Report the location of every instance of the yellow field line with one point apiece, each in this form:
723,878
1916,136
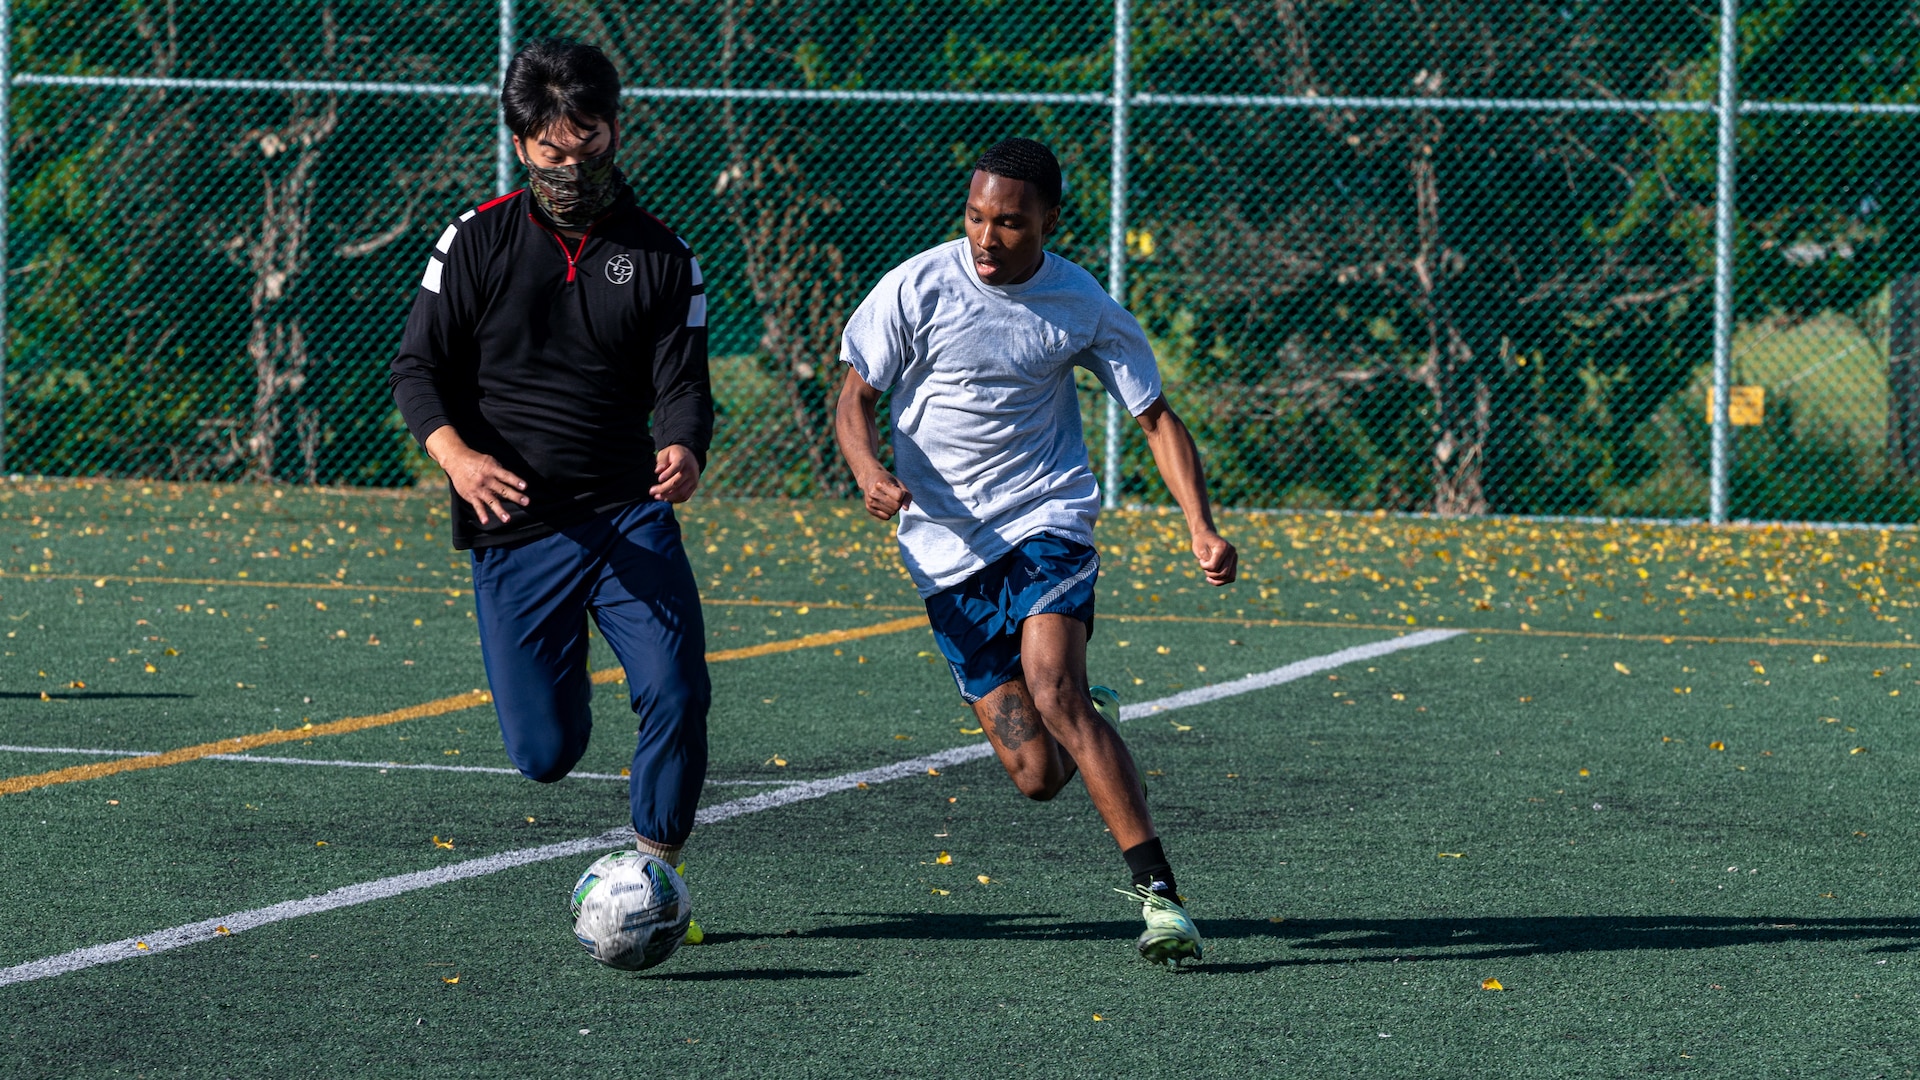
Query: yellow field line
329,586
1590,635
342,586
455,703
810,641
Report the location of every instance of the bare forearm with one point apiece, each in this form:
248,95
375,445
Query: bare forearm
1179,463
858,433
1178,460
859,437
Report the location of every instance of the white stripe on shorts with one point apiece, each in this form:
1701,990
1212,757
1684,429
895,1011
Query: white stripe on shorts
1060,590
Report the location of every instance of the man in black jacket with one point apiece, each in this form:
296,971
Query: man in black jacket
555,365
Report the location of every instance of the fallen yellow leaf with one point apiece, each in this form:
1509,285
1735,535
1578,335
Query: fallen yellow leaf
1180,727
1453,854
941,892
983,879
1819,658
1858,750
141,945
447,843
1716,745
1162,650
1585,772
1097,1016
1491,984
862,785
944,859
971,730
221,930
319,843
1621,668
150,668
452,980
931,771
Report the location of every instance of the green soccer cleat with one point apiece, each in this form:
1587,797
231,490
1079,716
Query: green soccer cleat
1106,702
694,934
1170,936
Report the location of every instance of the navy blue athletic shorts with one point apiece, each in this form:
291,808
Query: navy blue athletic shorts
977,622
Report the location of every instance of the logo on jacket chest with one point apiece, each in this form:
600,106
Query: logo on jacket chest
620,269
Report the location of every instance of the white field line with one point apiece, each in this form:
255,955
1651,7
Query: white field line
383,766
384,888
75,750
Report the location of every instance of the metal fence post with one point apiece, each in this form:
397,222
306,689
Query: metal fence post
503,139
1727,155
6,189
1117,225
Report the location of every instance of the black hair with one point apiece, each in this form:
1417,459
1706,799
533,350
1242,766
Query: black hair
1024,159
554,79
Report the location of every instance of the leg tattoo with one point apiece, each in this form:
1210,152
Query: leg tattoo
1013,723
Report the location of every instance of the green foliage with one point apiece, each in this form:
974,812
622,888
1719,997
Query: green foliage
1359,308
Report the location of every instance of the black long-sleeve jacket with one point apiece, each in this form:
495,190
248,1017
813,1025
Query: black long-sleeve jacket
567,360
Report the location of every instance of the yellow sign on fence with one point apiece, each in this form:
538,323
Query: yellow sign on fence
1746,405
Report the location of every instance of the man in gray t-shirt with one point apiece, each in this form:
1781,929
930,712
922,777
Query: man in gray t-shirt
978,340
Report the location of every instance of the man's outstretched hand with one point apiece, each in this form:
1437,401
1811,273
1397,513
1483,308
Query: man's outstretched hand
679,473
479,479
887,496
1217,558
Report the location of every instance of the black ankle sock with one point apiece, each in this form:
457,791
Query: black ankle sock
1148,864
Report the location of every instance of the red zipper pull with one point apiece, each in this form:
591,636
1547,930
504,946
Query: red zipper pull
582,250
573,257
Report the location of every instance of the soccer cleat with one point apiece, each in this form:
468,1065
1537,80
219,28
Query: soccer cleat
1170,936
694,934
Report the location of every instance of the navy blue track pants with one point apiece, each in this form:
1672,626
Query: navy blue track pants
628,569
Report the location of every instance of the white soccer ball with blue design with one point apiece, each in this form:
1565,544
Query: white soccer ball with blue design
630,910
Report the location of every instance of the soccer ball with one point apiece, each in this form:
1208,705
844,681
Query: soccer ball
630,910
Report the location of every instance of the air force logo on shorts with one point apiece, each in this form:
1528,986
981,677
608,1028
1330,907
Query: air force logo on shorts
620,269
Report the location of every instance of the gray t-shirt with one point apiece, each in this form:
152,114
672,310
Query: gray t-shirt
986,422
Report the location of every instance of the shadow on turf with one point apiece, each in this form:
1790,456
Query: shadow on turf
1347,941
35,695
762,974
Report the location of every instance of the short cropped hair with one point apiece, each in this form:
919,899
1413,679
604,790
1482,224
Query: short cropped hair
1024,159
554,79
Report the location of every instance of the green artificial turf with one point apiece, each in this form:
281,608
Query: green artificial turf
1676,856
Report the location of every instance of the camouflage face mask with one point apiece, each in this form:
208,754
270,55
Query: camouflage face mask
573,195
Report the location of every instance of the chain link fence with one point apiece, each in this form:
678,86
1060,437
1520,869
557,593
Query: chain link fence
1446,256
